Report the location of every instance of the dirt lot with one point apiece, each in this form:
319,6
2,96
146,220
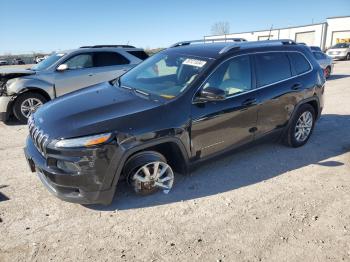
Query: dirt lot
267,203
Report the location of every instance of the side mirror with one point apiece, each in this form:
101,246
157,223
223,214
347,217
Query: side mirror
211,94
62,67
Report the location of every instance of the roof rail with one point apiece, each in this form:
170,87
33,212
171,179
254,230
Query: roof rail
102,46
257,44
212,40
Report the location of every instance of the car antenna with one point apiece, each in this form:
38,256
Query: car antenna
270,32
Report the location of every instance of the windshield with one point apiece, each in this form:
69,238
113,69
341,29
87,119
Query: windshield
47,62
341,45
164,74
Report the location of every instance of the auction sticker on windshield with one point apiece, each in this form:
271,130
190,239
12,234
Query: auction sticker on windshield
194,62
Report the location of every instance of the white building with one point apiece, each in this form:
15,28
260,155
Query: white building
324,35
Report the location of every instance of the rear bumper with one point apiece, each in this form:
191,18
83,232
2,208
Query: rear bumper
93,185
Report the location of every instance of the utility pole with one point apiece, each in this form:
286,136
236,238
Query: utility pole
270,32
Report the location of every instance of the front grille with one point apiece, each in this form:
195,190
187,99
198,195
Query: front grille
40,139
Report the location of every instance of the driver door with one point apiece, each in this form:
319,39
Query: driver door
229,123
79,74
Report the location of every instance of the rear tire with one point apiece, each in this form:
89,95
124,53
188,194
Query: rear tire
301,126
148,172
26,104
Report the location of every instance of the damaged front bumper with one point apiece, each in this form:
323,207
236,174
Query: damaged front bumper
4,105
93,184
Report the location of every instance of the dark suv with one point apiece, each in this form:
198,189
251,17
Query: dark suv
182,105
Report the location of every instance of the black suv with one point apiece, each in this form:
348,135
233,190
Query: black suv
182,105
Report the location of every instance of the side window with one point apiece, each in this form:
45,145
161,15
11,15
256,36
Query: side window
299,62
323,56
318,55
139,54
233,76
109,59
80,61
271,68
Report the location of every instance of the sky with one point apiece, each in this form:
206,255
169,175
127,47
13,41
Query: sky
47,25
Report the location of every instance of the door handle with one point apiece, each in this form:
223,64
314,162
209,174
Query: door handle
90,74
296,86
250,101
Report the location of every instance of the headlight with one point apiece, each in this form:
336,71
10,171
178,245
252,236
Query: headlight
83,141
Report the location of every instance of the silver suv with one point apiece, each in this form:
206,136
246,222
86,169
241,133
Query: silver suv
22,91
340,51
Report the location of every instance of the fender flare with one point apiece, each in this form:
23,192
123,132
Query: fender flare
145,146
33,89
297,106
304,101
25,85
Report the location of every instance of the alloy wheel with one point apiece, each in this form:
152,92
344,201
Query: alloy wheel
30,105
304,126
153,176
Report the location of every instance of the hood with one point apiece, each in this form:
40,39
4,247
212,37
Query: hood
9,73
96,109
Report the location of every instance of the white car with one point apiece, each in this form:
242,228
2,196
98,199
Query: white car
340,51
3,62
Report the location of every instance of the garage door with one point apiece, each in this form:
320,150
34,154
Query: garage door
340,37
305,37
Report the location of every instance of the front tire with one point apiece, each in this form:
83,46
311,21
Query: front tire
301,126
148,172
26,104
347,56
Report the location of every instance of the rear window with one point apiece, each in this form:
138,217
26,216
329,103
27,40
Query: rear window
319,55
139,54
109,59
299,63
271,68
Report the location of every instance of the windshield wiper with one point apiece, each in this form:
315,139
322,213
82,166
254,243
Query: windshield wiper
126,87
133,89
141,92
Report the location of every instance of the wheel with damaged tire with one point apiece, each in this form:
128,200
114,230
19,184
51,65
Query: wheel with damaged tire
26,104
148,172
301,126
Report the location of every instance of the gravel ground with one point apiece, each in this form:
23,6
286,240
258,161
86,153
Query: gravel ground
266,203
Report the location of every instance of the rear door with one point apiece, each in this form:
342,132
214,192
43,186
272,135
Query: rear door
109,65
279,87
142,55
